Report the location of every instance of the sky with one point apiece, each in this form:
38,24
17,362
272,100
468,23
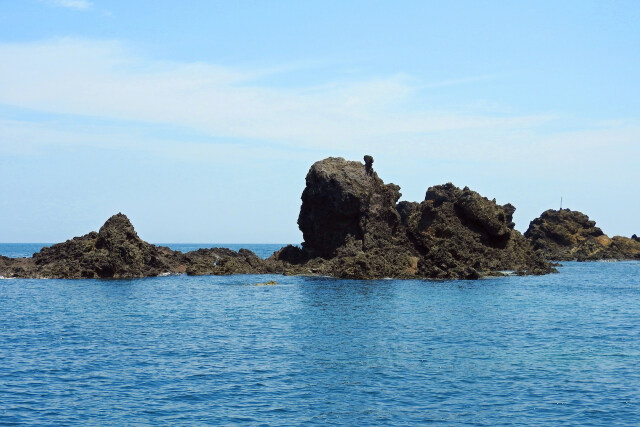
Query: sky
199,120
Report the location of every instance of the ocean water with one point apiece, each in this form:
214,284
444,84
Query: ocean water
562,349
265,250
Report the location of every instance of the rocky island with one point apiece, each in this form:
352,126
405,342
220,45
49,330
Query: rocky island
566,235
116,251
353,226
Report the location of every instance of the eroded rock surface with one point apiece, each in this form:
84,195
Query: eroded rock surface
354,227
116,251
566,235
223,261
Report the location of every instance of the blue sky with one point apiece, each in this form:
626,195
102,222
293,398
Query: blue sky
200,119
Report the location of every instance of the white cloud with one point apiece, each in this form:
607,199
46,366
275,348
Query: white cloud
102,79
103,97
72,4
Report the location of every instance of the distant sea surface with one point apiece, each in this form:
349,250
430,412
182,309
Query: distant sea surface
562,349
263,250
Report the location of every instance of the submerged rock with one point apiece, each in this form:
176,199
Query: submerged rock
354,227
566,235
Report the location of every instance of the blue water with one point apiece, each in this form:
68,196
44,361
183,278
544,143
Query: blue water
562,349
265,250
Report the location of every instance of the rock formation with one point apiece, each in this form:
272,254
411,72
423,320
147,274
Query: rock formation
354,227
222,262
566,235
116,251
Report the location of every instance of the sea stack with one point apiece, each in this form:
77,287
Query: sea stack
354,227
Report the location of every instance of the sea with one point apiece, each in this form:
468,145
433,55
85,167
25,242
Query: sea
561,349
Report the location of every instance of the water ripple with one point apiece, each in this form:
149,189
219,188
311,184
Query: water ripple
561,349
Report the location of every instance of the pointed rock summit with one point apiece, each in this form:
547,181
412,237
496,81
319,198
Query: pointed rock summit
115,251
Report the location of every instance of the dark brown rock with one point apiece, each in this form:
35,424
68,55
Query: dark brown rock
116,251
566,235
343,199
222,262
353,227
459,233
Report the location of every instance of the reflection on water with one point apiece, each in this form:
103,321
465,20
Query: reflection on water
557,349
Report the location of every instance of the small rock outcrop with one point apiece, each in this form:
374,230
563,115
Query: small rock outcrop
354,227
566,235
223,261
116,251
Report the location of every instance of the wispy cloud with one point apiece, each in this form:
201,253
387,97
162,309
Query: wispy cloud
102,79
72,4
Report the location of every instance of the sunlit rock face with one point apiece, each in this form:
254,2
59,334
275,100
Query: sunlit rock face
565,235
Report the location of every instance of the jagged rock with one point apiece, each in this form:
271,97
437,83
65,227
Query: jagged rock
341,199
222,261
116,251
459,232
16,267
566,235
353,227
